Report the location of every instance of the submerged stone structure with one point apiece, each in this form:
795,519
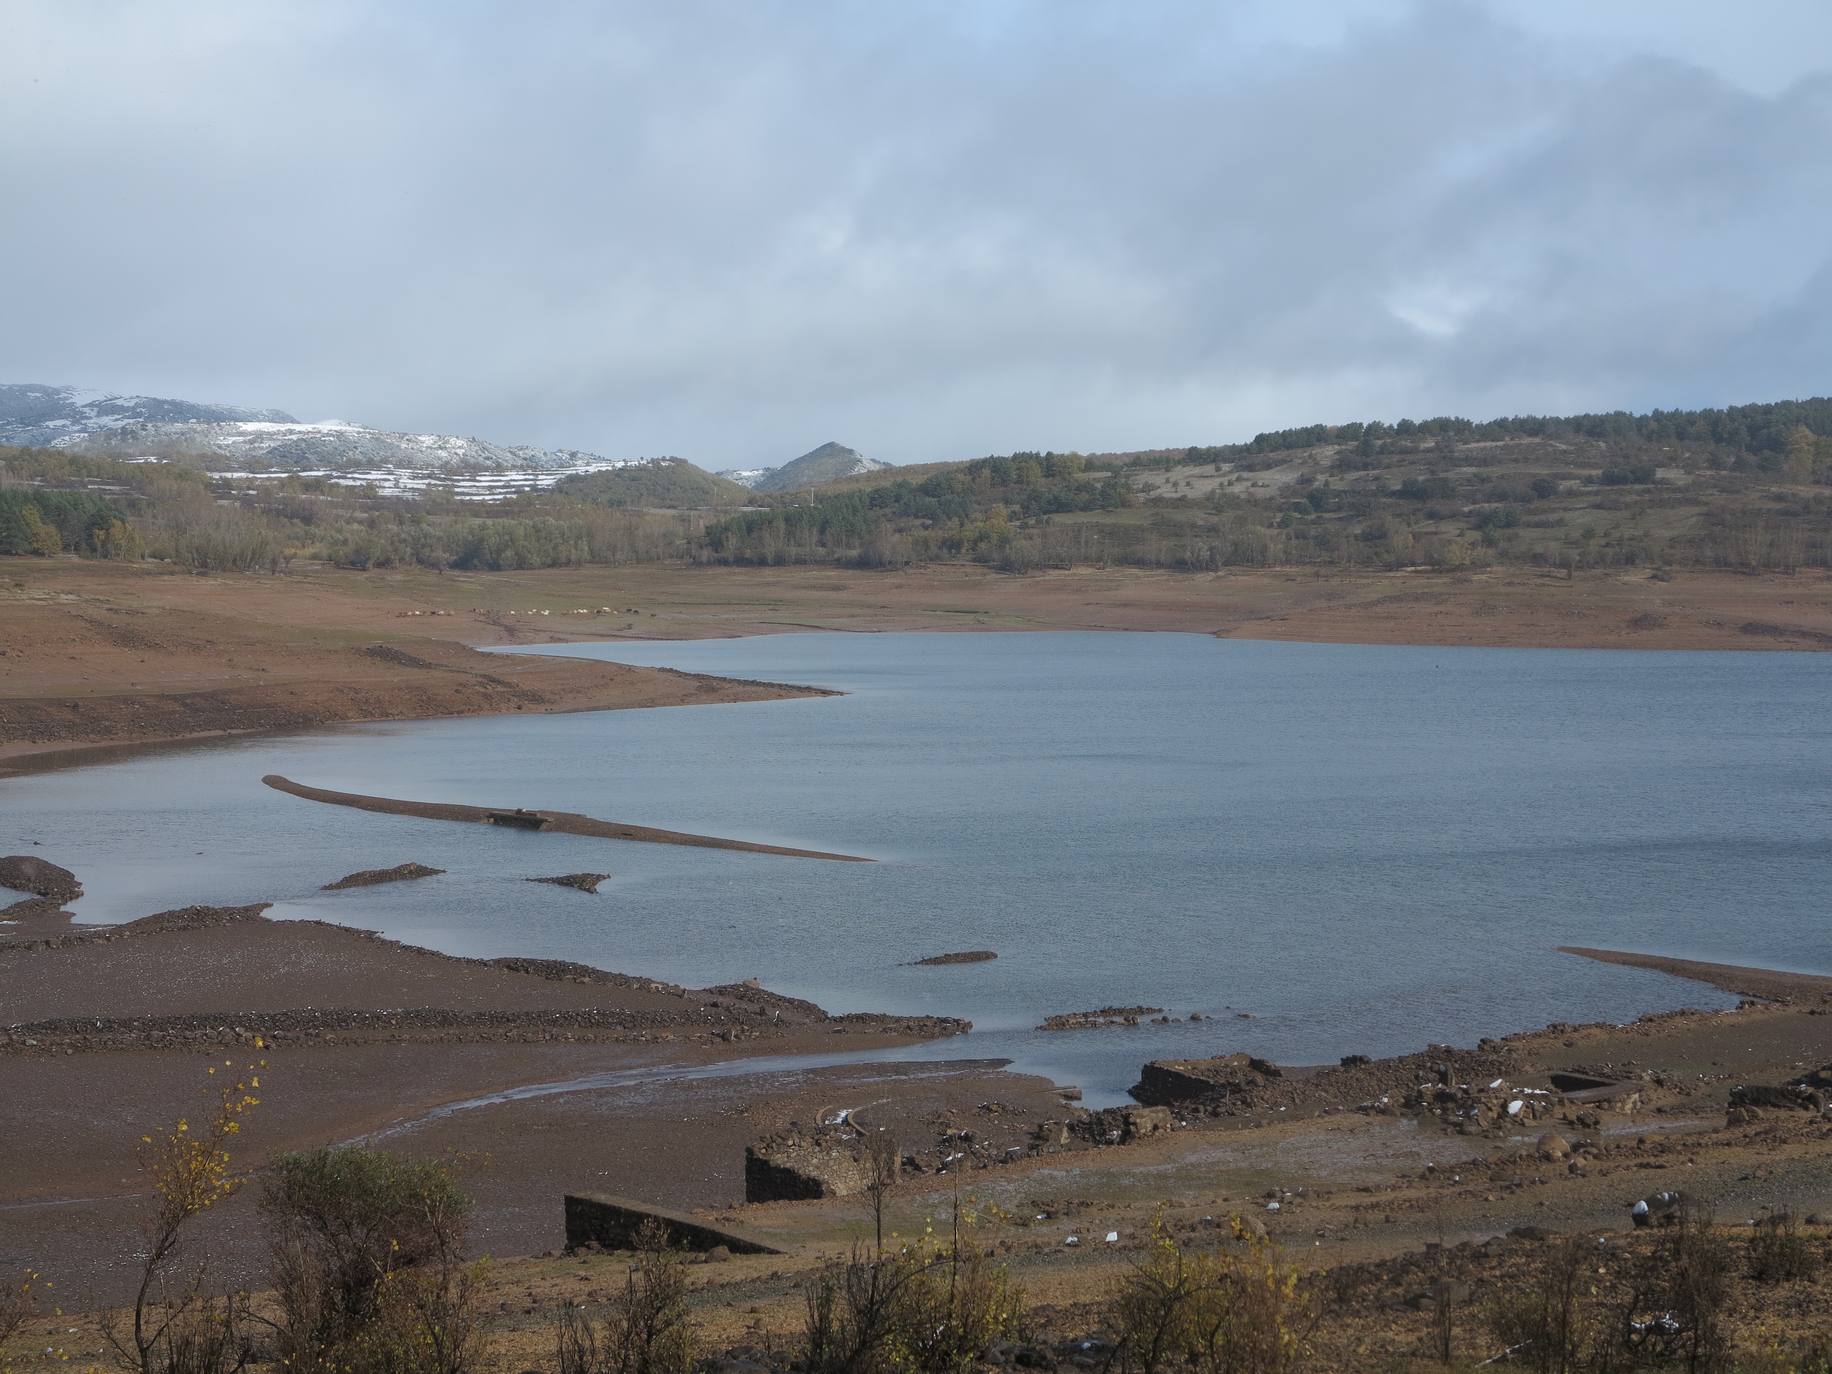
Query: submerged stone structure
612,1223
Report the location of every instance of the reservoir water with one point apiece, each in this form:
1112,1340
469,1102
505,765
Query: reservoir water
1365,849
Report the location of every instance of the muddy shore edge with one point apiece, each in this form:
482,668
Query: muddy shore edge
106,660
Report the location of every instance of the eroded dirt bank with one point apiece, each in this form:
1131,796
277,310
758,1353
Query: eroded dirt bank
108,1033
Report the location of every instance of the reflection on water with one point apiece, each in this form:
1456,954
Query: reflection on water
1362,848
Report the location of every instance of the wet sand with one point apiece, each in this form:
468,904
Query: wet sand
1771,984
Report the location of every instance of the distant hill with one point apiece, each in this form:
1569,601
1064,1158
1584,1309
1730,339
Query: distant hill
672,483
67,417
828,463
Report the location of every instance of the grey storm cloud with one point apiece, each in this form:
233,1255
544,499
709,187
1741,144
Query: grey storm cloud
731,230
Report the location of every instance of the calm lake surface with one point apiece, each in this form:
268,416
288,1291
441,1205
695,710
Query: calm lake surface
1365,848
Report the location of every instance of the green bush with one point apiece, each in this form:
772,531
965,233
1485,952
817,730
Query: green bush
367,1263
1232,1310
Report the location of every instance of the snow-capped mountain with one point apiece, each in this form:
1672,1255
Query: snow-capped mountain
97,422
332,444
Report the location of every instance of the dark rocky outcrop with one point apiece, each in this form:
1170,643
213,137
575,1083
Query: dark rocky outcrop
49,885
612,1223
966,956
369,877
585,882
1100,1016
1122,1125
1787,1097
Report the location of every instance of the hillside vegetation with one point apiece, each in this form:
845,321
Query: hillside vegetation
1745,488
667,483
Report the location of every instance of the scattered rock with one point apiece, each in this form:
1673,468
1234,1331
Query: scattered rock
369,877
1100,1016
1660,1210
1146,1121
1787,1097
1122,1125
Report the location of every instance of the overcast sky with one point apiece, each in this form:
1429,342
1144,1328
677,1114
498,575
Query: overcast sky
734,230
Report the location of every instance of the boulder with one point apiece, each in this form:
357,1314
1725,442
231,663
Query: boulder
1552,1145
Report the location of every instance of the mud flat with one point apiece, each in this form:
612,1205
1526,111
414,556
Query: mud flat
1770,984
108,1034
559,822
1376,1177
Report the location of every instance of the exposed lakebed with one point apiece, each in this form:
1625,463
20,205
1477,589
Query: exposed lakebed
1364,848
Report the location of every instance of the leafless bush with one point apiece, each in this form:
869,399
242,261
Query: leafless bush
648,1329
931,1306
17,1307
1778,1252
367,1264
1549,1326
1232,1310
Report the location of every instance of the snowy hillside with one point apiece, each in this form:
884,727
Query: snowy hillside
59,416
745,477
98,422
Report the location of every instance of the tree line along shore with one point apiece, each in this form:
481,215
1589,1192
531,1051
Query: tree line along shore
1746,487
